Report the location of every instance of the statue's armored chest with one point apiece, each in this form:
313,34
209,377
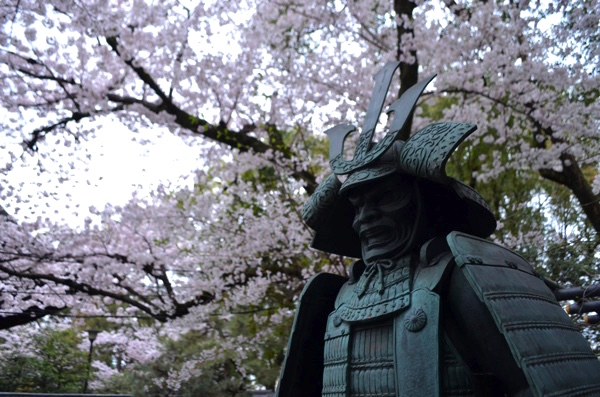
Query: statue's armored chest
360,361
359,339
381,291
382,336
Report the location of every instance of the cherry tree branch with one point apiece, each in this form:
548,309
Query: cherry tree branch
220,132
134,298
40,133
367,35
50,77
74,285
33,313
502,102
571,174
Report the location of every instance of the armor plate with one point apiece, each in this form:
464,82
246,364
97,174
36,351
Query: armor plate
554,357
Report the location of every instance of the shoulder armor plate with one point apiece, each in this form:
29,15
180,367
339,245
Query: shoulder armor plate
549,348
469,249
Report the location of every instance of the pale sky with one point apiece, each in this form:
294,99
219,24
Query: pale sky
118,166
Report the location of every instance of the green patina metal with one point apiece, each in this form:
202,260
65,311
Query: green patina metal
553,356
431,309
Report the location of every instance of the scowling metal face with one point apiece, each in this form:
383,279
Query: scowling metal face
384,219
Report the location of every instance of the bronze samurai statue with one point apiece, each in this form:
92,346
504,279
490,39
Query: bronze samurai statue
432,308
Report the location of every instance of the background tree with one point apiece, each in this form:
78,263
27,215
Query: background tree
51,362
253,84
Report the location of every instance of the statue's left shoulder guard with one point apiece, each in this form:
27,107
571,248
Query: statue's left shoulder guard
549,348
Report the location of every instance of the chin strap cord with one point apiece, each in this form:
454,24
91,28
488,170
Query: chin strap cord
378,269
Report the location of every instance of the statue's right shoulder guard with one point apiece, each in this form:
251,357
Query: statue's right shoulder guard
555,358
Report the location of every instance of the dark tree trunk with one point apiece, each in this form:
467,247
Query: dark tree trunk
409,72
573,178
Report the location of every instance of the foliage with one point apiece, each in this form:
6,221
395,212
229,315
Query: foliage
53,363
252,85
202,367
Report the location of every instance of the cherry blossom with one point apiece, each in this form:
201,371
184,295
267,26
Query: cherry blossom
253,85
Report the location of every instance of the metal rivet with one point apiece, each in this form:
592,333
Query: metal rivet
337,321
512,265
475,259
415,321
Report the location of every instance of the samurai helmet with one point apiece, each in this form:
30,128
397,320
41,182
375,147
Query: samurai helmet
423,156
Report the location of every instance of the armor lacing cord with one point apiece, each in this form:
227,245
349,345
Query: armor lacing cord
377,268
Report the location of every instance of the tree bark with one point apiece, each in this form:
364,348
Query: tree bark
573,178
27,316
220,132
409,72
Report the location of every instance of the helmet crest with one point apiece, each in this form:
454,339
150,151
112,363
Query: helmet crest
401,108
424,156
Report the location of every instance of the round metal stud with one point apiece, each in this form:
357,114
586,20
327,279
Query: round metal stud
415,321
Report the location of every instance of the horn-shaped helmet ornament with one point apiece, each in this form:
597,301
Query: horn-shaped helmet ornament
424,156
